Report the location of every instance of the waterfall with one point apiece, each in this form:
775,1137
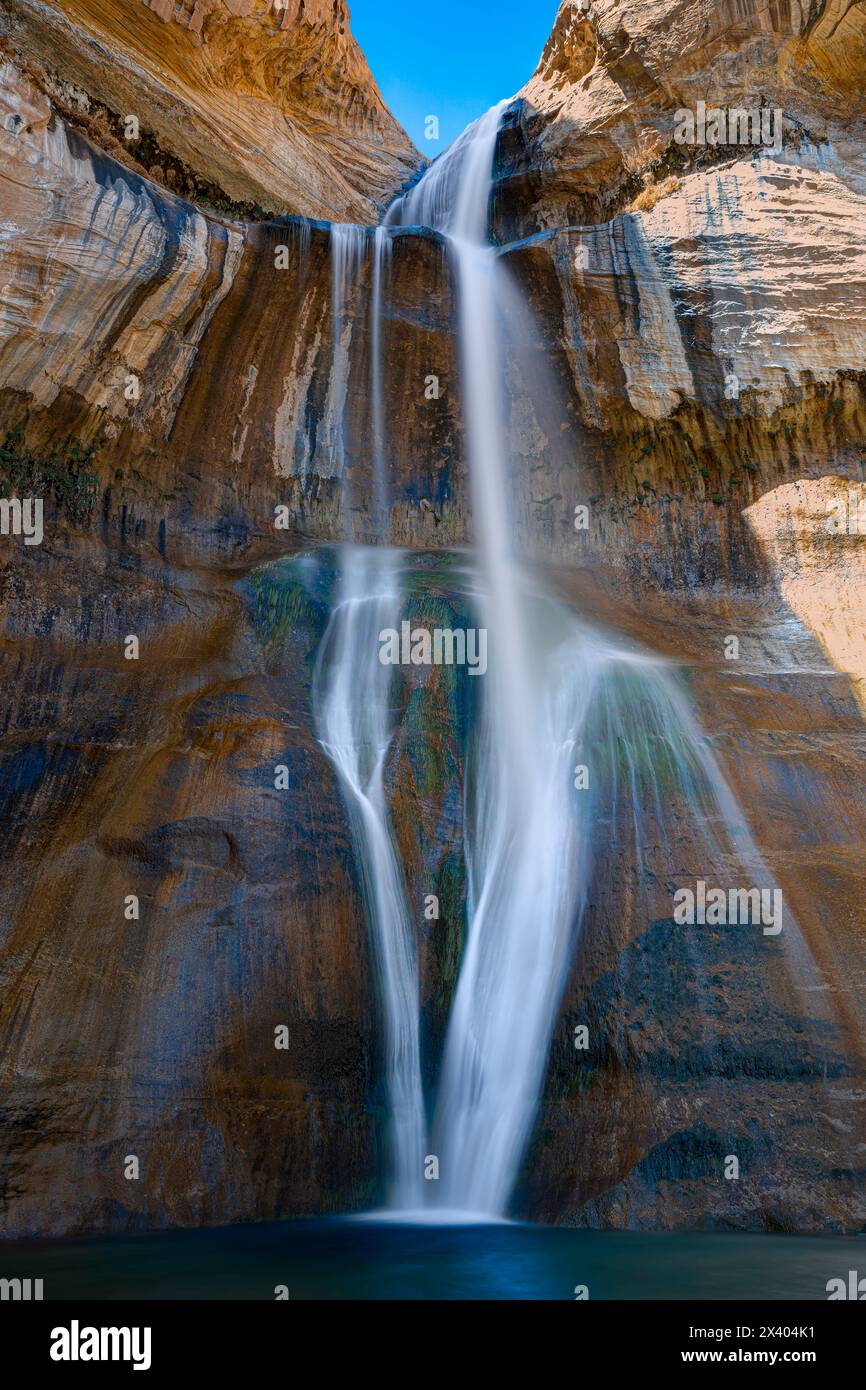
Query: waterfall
381,266
527,841
560,696
347,257
351,699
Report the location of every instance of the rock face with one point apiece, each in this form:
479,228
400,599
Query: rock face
273,107
171,910
681,1070
687,366
692,373
814,532
200,352
598,118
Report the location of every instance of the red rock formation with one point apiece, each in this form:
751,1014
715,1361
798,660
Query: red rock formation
597,123
273,105
713,268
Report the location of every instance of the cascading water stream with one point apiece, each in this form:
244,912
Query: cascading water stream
525,846
453,198
351,696
381,263
558,693
347,255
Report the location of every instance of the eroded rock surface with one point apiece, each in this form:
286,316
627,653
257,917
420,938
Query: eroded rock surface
814,532
274,106
149,1028
597,123
687,365
692,373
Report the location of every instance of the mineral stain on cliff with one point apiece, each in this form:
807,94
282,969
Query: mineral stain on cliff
654,280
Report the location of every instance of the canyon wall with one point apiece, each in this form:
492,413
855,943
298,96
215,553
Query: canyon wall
698,352
178,360
596,122
253,106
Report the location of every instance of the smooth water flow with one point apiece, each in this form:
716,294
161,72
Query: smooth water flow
381,268
560,697
526,836
351,698
453,198
347,257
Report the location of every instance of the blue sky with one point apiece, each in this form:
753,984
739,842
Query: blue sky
449,59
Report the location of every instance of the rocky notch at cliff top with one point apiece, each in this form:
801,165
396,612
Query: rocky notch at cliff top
276,109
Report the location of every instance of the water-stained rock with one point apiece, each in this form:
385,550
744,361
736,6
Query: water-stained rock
271,106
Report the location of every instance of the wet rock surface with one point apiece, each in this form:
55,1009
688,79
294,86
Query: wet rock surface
155,1036
692,374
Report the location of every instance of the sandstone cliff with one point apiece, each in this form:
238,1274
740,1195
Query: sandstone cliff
693,374
597,122
198,352
695,364
270,107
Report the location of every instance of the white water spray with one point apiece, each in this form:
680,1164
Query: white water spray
351,697
526,838
556,689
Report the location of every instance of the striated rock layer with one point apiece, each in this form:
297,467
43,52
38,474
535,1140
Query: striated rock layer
681,365
596,124
228,331
692,373
270,106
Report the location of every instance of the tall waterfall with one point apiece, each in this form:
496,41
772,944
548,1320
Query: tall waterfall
351,697
351,691
559,695
526,840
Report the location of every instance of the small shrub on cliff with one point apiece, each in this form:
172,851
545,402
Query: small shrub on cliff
648,197
65,475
